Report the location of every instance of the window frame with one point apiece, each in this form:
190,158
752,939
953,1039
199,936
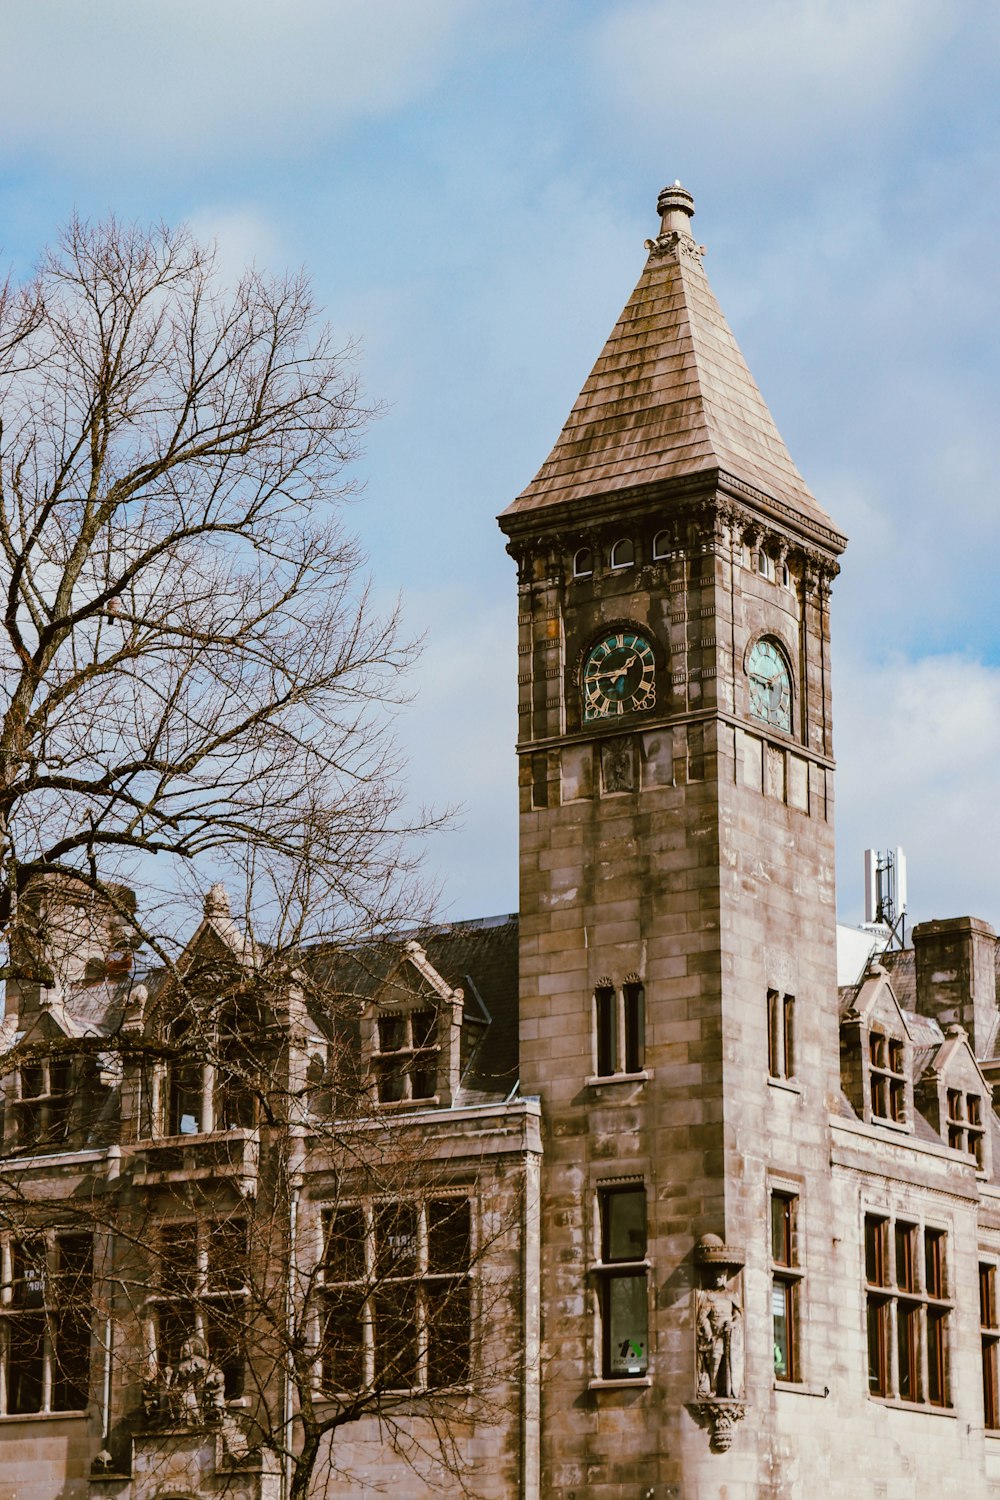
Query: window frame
989,1332
611,1269
194,1303
416,1285
965,1127
613,563
787,1278
908,1304
47,1307
619,1019
887,1077
581,568
41,1119
781,1038
407,1067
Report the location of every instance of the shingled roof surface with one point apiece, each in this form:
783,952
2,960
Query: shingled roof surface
670,397
479,957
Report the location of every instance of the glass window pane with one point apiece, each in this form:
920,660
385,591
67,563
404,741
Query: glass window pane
396,1239
345,1244
225,1332
605,1001
448,1231
634,997
624,1226
178,1258
626,1332
227,1255
70,1360
878,1363
875,1267
26,1335
391,1033
934,1262
781,1309
448,1333
343,1340
935,1358
906,1340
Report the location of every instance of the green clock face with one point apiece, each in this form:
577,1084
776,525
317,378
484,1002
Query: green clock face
619,676
770,685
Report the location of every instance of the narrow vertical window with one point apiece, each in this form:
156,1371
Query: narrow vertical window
780,1035
606,1018
634,1003
623,1275
788,1048
990,1338
907,1313
786,1285
877,1275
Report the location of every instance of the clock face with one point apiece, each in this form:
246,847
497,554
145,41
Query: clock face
770,685
618,676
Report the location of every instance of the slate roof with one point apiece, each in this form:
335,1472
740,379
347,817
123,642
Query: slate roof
479,957
670,397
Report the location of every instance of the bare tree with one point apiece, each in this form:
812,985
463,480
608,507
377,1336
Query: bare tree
191,666
194,680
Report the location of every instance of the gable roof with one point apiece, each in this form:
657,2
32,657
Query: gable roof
671,397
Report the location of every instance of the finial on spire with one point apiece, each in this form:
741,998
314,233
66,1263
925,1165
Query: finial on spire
675,206
217,901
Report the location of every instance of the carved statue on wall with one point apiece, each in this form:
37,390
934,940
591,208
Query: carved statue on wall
720,1342
191,1393
718,1325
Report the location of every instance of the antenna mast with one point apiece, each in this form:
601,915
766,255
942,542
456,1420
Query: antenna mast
885,893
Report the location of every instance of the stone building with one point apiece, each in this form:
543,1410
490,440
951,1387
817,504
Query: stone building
672,1215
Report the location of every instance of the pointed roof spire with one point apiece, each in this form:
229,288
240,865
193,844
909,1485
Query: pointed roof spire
671,399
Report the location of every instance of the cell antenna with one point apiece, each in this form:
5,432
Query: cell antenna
885,892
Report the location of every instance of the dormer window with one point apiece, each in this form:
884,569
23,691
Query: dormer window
661,545
965,1128
887,1077
623,553
41,1108
583,563
405,1056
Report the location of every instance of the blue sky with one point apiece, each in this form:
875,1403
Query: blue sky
469,182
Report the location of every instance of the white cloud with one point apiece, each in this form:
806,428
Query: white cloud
773,74
242,236
196,80
918,747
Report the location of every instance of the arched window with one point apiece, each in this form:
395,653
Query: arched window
583,563
786,577
661,544
623,553
765,565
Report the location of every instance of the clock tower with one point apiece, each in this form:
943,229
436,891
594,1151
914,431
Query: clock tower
678,992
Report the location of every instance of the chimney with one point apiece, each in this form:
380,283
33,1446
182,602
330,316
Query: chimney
956,976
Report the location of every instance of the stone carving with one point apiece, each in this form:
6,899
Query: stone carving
191,1393
719,1339
617,767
